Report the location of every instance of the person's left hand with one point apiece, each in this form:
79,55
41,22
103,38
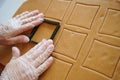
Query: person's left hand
9,30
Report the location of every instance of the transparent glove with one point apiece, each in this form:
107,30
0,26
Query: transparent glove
9,30
30,65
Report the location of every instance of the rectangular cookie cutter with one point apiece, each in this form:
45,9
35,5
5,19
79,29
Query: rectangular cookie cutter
49,22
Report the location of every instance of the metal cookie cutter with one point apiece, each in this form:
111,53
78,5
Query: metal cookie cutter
49,22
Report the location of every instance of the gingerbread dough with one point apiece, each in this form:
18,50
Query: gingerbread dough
87,46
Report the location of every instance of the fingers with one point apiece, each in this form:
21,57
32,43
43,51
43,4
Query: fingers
31,24
39,49
17,39
27,14
35,47
15,53
32,18
24,13
43,67
29,20
39,60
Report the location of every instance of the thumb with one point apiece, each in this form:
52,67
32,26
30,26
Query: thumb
17,39
15,53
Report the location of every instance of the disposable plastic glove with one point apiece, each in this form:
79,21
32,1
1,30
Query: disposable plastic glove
9,30
30,65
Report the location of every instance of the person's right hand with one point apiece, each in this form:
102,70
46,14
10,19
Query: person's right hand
30,65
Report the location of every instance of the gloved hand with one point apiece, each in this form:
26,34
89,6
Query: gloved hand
9,30
30,65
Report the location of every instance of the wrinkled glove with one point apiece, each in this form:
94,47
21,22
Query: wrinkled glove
30,65
9,30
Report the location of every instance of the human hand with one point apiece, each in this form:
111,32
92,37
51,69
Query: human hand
30,65
9,30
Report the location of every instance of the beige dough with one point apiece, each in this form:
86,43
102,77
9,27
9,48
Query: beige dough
87,46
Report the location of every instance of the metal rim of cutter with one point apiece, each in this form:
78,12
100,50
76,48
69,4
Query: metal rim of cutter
49,22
